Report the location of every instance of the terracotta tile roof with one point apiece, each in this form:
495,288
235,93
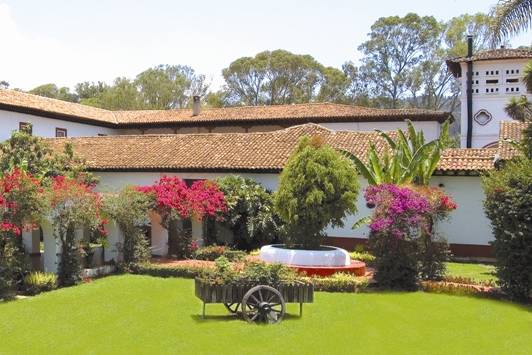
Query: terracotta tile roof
472,159
20,101
493,54
264,151
296,113
509,132
300,113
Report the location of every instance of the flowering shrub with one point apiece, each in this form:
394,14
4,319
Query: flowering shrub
174,201
402,233
73,205
21,206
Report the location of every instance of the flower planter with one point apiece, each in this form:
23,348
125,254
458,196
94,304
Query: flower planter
256,302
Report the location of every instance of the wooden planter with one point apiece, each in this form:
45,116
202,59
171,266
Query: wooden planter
257,302
233,293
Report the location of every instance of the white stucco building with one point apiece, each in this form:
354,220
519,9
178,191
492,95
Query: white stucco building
496,76
138,147
55,118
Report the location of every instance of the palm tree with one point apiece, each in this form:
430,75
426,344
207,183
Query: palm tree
519,108
510,17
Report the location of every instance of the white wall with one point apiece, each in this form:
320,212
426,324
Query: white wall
467,225
494,102
45,127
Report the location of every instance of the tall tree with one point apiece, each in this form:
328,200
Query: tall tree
396,45
273,77
169,86
510,17
55,92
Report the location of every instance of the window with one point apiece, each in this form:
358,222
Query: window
61,132
25,126
492,81
482,117
515,80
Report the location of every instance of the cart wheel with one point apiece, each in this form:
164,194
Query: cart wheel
263,304
232,307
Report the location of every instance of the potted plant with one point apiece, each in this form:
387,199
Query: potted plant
317,189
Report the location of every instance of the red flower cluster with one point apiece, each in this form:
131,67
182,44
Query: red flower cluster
173,196
15,188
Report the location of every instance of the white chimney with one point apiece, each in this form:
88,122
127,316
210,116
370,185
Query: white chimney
196,105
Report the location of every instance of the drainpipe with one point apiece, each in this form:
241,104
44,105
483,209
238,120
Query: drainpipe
469,91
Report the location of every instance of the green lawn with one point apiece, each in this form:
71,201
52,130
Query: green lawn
478,272
145,315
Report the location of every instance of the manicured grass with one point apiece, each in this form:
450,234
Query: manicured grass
142,314
478,272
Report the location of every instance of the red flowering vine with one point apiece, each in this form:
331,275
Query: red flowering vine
174,199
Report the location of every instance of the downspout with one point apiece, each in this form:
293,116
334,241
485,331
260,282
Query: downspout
469,91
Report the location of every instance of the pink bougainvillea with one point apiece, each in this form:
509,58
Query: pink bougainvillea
206,199
402,211
174,199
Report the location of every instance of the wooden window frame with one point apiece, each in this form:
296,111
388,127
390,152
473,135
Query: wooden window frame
21,126
63,130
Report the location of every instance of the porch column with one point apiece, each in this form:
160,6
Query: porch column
115,237
52,248
31,241
197,231
159,236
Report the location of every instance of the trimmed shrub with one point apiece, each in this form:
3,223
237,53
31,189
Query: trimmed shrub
37,282
508,205
339,282
159,270
213,252
318,188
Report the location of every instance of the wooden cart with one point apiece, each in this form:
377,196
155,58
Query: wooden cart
257,303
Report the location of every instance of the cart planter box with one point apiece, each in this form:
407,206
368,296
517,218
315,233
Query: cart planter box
257,302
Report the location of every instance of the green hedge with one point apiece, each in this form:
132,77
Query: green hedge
213,252
186,271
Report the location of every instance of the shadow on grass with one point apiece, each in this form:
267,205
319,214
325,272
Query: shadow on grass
232,317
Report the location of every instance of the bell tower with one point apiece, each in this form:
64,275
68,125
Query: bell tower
488,80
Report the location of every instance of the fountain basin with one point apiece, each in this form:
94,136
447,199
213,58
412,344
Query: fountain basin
325,256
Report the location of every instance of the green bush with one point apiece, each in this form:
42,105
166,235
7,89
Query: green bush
252,272
339,282
395,266
12,266
129,208
317,188
249,216
363,256
508,205
37,282
159,270
212,252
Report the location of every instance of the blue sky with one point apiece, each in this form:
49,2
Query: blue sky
71,41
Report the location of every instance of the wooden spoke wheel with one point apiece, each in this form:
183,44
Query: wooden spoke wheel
263,304
232,307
